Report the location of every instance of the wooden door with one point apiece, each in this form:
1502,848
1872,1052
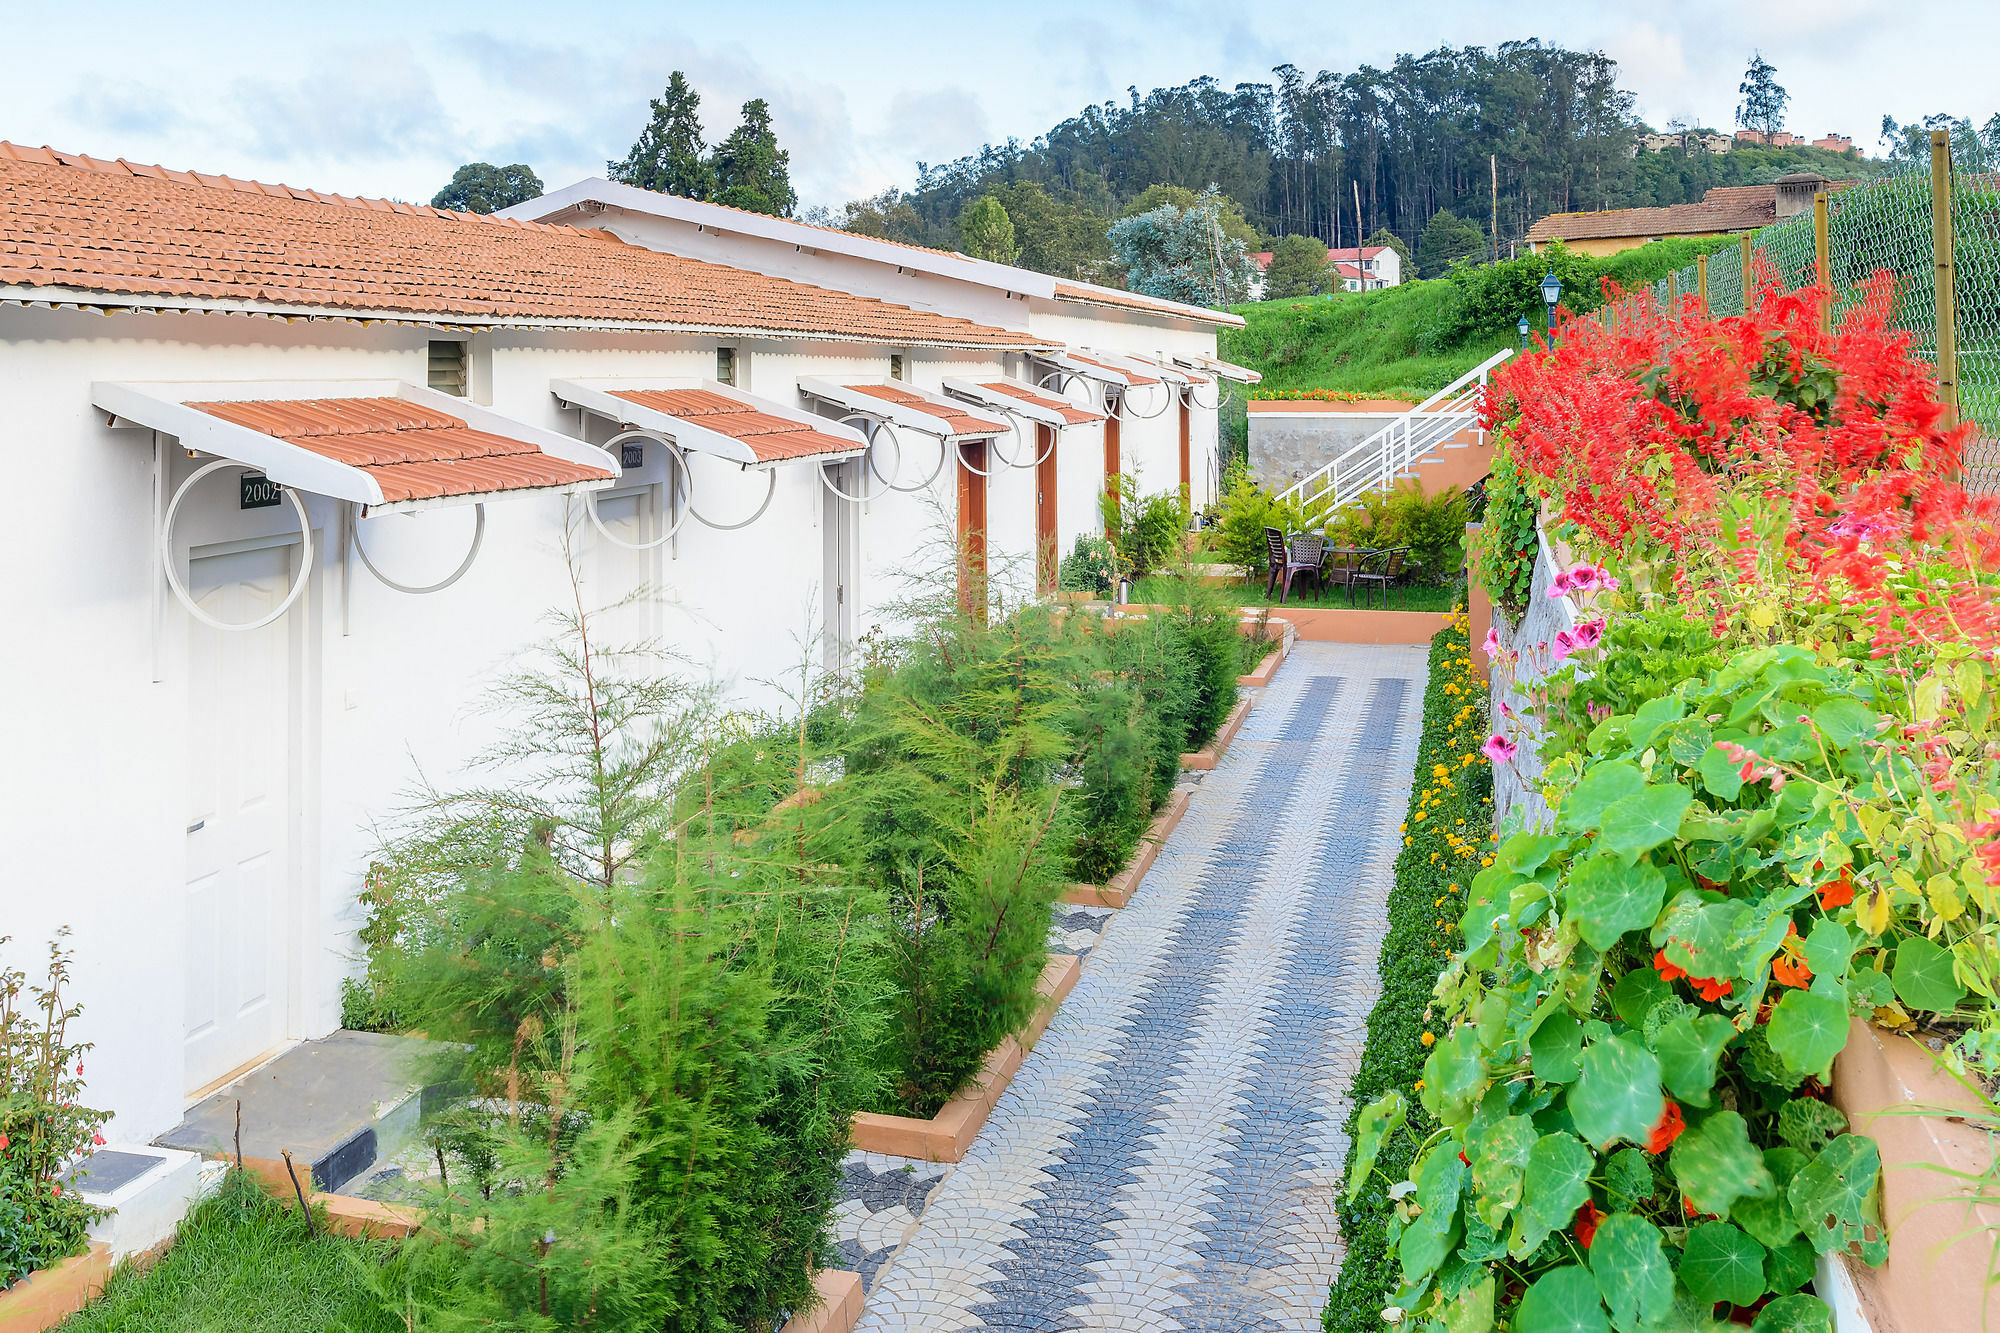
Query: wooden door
972,454
1046,554
1187,463
1112,462
239,885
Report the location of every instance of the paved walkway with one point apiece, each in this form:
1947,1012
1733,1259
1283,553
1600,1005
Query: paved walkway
1169,1155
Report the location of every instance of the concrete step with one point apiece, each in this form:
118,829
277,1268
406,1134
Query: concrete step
147,1190
338,1104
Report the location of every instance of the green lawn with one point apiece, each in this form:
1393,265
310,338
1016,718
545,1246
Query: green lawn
242,1264
1158,590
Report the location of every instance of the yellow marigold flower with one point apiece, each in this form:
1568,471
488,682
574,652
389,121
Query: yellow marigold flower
1428,1039
1486,861
1439,769
1418,1085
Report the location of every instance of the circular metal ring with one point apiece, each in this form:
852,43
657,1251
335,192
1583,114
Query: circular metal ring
478,536
1127,413
1014,421
1194,401
673,451
959,449
925,484
869,467
173,575
1060,376
1014,432
875,425
770,490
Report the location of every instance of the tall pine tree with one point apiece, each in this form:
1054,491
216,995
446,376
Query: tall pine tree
750,170
669,155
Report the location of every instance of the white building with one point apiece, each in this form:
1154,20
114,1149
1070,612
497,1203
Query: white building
366,428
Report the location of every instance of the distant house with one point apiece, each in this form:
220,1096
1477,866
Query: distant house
1834,143
1684,143
1363,270
1722,211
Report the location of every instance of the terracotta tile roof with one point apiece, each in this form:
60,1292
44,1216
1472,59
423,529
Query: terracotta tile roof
1091,294
960,421
773,439
85,224
1724,208
412,451
1071,413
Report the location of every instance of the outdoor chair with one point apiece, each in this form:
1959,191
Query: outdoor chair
1387,572
1287,564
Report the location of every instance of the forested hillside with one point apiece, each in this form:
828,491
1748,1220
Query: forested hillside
1549,127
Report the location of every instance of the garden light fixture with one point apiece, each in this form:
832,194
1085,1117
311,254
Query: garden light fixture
1522,328
1552,290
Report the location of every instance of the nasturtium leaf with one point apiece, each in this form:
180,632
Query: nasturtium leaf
1703,938
1637,992
1632,1272
1797,1313
1628,1178
1455,1075
1606,898
1688,1047
1617,1096
1435,1232
1790,1265
1833,1197
1525,853
1482,1244
1828,949
1377,1121
1471,1311
1652,716
1720,1263
1808,1030
1807,1123
1923,976
1722,775
1716,1164
1770,1219
1846,721
1557,1184
1486,905
1557,1049
1610,781
1641,822
1500,1167
1689,740
1563,1300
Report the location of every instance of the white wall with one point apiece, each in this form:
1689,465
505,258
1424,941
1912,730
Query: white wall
94,793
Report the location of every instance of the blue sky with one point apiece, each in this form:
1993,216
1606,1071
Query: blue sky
382,98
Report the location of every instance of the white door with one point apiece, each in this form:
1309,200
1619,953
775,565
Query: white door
841,545
238,813
624,598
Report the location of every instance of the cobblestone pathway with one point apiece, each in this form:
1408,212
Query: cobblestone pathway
1168,1157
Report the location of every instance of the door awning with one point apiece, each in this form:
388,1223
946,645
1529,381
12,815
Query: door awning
1037,405
1146,369
903,406
1222,369
716,419
386,444
1100,368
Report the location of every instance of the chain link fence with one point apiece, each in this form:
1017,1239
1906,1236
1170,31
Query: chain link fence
1885,224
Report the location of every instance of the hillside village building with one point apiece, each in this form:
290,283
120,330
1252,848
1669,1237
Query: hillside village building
1358,270
296,473
1724,210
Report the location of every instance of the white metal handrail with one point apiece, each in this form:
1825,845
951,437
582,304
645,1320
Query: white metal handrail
1375,462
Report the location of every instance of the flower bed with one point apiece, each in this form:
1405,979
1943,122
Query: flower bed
1442,848
1766,731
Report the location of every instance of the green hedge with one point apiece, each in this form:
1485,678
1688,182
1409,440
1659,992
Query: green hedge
1445,837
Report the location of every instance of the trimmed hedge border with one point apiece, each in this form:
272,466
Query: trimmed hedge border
1446,836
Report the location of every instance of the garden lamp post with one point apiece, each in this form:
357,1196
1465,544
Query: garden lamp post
1552,290
1522,327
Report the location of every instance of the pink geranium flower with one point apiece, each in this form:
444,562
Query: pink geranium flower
1491,647
1588,633
1499,750
1562,645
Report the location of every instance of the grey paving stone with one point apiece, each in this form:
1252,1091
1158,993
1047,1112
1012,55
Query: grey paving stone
1168,1157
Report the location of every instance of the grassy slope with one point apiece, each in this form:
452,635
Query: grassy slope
1387,343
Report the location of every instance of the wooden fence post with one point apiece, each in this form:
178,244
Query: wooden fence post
1822,266
1744,240
1701,282
1947,296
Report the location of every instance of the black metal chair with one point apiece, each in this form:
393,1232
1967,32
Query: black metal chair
1388,572
1339,566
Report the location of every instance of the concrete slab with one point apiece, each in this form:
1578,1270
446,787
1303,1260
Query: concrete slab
337,1104
147,1189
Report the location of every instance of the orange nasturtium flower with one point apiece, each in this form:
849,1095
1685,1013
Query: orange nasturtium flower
1790,967
1838,891
1666,1129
